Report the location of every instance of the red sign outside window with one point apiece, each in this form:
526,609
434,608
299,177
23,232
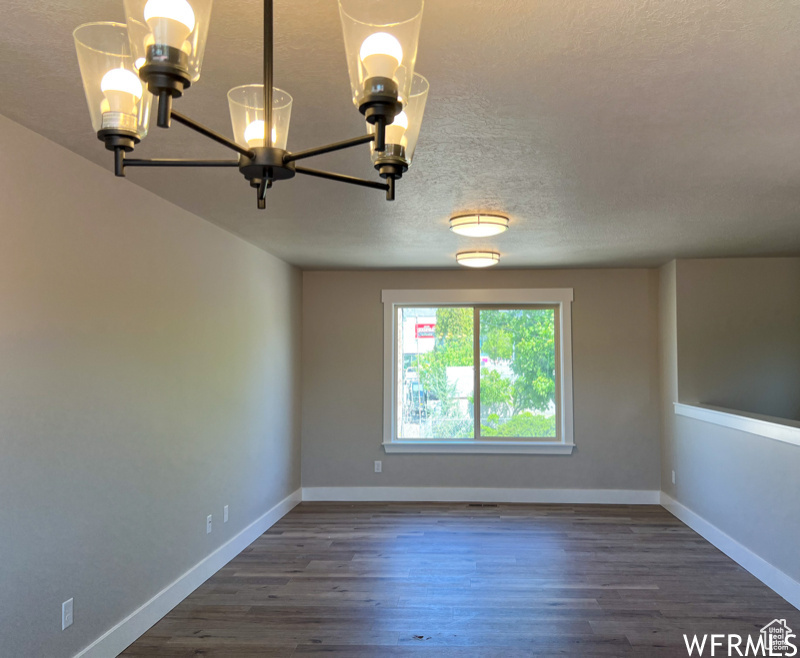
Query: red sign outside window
425,330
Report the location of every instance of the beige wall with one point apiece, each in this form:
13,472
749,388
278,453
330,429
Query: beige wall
738,322
149,375
616,392
745,485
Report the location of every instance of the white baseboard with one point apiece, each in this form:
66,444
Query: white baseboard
771,576
480,495
121,636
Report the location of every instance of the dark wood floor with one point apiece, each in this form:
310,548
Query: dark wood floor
444,580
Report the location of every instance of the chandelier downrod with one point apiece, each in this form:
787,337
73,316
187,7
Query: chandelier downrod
269,51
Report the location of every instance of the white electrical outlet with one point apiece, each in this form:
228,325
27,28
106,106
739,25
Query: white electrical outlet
66,614
208,525
378,467
673,477
225,514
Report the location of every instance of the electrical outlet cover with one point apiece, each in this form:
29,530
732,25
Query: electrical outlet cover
66,614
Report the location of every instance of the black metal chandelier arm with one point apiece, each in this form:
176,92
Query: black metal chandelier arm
387,187
120,162
179,162
207,132
328,148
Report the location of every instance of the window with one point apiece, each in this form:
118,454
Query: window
478,371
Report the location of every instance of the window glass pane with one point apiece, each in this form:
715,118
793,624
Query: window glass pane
518,373
435,387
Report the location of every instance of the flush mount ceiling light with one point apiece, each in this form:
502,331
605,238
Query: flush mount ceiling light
159,53
478,258
478,226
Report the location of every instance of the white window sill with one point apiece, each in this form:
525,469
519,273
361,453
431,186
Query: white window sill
778,429
482,447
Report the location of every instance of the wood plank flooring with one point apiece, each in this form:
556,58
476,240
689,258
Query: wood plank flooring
440,580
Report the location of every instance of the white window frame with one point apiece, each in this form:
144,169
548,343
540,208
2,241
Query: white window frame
559,297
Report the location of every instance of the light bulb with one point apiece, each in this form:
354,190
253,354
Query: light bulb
381,54
254,134
170,21
122,90
395,132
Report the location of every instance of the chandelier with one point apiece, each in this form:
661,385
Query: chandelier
158,54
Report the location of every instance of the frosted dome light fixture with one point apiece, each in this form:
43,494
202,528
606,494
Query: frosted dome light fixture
476,225
478,259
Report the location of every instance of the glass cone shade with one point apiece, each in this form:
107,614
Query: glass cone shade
478,258
118,101
403,133
158,25
246,104
380,40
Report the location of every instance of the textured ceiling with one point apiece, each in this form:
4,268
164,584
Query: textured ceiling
614,132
